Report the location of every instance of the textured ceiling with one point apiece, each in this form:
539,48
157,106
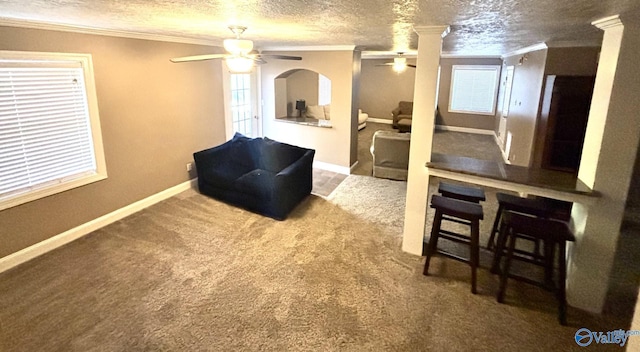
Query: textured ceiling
478,27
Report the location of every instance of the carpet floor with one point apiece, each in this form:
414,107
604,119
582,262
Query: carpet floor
194,274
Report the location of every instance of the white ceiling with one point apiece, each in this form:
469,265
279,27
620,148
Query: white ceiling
478,27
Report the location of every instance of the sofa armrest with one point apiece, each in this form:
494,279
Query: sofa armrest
210,158
299,173
395,112
292,185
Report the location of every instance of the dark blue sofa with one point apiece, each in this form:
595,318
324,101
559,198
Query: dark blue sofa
258,174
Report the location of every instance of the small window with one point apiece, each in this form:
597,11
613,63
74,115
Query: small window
50,139
474,89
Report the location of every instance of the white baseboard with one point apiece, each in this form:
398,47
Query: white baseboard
377,120
353,167
464,129
505,157
59,240
332,167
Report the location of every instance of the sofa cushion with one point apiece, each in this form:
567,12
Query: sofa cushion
405,107
316,112
258,183
224,175
244,150
275,156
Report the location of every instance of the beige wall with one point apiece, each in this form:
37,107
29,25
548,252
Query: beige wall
332,145
355,102
578,61
524,106
302,84
483,122
153,114
381,88
581,61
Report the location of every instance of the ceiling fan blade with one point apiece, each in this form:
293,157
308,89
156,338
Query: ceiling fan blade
281,57
391,64
198,57
258,60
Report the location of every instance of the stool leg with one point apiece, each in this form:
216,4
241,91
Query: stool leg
536,250
499,249
505,271
433,240
562,294
549,257
474,250
494,229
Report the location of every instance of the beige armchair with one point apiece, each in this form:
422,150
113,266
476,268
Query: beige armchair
404,111
390,151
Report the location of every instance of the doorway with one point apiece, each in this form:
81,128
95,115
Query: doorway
242,114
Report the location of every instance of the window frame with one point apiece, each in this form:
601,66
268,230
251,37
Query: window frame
81,179
495,68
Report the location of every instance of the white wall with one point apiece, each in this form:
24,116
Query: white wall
332,145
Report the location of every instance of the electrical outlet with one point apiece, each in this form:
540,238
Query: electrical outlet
189,167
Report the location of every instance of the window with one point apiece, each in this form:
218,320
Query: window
50,139
241,103
474,89
324,90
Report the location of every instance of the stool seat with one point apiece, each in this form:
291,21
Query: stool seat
469,194
552,233
458,208
507,202
532,206
459,211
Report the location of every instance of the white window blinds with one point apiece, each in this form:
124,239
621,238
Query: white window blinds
45,129
474,89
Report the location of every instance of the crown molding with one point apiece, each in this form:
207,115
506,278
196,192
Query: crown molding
310,48
535,47
607,22
22,23
463,56
575,44
426,30
412,54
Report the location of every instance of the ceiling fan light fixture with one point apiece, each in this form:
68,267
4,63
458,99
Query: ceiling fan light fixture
238,46
239,64
399,64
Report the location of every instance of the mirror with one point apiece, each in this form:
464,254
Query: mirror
303,96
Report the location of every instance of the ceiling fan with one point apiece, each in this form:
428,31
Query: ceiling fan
399,63
240,55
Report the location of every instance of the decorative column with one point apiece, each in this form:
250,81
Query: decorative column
608,156
422,125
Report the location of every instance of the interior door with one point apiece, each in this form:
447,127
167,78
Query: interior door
242,112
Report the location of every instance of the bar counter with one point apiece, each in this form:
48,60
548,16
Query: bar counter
547,183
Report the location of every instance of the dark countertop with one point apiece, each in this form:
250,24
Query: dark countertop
305,121
542,178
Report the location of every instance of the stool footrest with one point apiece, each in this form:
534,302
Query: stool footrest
456,237
456,220
453,256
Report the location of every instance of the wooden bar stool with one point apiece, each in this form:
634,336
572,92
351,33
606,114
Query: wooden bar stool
469,194
538,207
508,202
553,234
462,212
